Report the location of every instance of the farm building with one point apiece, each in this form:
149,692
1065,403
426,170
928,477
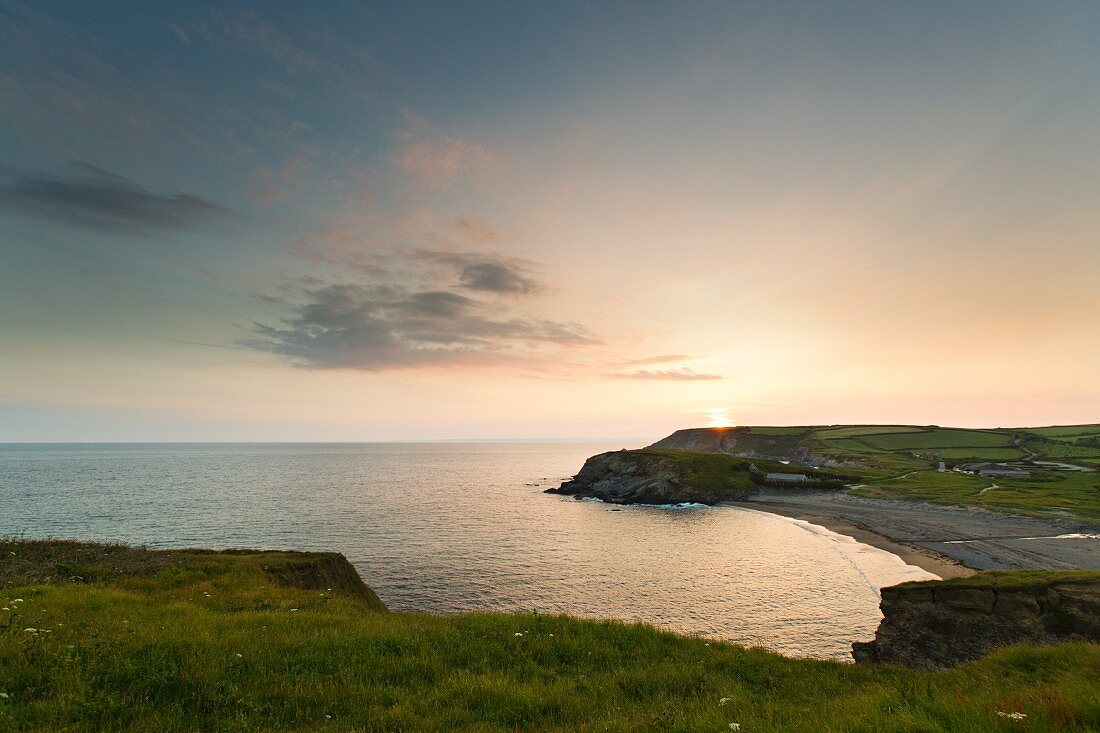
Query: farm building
994,470
1004,472
787,478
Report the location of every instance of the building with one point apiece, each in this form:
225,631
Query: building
993,470
1004,472
786,478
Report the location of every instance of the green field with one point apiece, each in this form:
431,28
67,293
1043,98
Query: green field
851,444
1066,431
1051,493
211,642
985,454
856,430
939,438
781,430
1056,451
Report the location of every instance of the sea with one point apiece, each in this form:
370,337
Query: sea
452,527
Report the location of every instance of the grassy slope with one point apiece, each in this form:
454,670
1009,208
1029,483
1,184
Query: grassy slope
1019,579
204,642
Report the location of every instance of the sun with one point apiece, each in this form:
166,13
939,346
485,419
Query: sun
719,417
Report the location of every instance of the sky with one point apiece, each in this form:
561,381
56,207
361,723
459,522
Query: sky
338,221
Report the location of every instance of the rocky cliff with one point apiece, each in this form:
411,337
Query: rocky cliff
941,624
660,477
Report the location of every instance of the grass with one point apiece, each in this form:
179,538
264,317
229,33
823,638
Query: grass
1066,431
852,431
780,430
1045,494
981,454
1022,579
939,438
1056,451
204,641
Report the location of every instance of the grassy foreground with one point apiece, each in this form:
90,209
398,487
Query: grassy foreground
164,641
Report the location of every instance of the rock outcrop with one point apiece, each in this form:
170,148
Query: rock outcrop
652,477
941,624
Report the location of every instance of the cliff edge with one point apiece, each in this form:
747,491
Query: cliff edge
944,623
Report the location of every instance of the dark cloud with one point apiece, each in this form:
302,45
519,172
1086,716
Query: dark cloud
682,374
489,273
371,327
99,200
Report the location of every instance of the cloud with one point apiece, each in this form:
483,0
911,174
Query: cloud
437,161
373,327
180,34
682,374
488,273
474,230
99,200
442,162
482,272
661,359
247,30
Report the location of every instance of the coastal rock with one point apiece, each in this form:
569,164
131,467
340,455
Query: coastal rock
942,624
641,477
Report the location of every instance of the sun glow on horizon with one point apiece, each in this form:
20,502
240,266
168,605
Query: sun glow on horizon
719,417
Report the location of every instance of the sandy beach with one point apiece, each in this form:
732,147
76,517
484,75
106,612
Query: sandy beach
946,540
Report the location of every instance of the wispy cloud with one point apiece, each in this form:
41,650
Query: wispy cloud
681,374
435,160
474,230
98,200
249,31
660,359
373,327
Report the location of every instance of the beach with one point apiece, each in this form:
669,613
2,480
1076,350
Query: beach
948,541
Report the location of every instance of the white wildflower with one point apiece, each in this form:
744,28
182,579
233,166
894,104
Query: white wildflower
328,717
294,609
518,633
1012,716
735,726
724,700
31,630
6,608
17,600
4,696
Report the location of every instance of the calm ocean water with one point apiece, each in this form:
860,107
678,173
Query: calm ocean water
456,527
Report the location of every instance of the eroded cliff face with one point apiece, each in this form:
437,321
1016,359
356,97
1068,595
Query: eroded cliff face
637,477
937,624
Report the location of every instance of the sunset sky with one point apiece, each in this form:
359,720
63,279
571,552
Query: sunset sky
397,221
